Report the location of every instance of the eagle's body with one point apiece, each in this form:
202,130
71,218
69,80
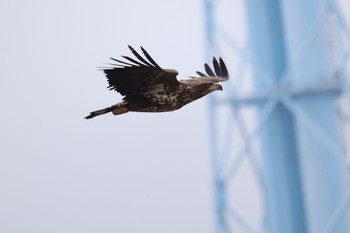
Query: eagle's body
148,88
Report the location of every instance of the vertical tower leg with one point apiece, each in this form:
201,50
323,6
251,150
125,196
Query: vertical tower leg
304,176
280,158
321,165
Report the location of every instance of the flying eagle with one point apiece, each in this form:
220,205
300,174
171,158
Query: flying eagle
146,87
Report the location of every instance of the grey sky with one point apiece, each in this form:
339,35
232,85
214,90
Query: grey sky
138,172
133,173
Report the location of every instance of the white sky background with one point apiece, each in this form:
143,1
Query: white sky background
134,173
138,172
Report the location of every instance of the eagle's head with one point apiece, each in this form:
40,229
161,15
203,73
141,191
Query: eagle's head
214,87
206,88
209,87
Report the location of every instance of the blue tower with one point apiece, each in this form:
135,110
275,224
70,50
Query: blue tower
298,55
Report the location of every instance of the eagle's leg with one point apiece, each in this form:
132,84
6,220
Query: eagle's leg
115,109
120,108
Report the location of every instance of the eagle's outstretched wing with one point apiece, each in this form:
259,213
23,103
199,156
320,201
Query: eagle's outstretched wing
220,75
139,77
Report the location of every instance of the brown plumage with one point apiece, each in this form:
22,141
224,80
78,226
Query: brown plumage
147,87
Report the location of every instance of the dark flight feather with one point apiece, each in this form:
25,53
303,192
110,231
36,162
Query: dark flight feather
139,56
208,70
149,58
217,67
201,74
223,69
134,61
122,62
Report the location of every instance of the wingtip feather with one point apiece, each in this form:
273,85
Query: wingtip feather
224,69
150,59
209,70
217,67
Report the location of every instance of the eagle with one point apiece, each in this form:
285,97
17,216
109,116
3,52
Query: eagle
146,87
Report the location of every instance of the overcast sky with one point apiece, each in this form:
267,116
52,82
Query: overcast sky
137,172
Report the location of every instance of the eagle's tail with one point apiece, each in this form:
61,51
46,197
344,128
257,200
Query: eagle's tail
99,112
115,109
